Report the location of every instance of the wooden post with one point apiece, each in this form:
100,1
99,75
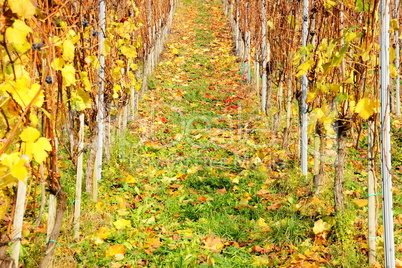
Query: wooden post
78,184
18,219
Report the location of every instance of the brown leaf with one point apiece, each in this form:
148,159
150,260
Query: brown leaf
274,206
261,250
213,243
262,192
257,249
221,191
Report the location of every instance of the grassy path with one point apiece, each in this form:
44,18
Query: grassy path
195,182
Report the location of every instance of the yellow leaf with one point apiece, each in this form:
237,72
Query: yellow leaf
130,179
39,149
247,196
365,108
393,24
68,73
33,119
121,224
320,226
193,170
236,180
44,144
93,60
129,52
114,250
68,50
40,156
303,68
8,160
106,48
23,8
261,222
25,94
329,4
26,148
116,90
103,232
360,202
311,96
393,71
58,64
19,170
73,36
270,24
29,134
85,81
17,34
80,100
133,66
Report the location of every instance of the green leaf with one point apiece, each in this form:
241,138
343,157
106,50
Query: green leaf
337,60
342,97
359,6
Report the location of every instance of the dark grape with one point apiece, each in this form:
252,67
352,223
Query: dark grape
37,46
85,23
49,80
95,33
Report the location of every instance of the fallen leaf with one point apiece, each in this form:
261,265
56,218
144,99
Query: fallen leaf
221,191
360,202
320,226
115,250
213,243
261,222
121,224
274,206
202,198
130,179
103,232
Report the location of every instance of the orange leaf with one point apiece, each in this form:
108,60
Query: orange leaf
360,202
114,250
398,263
202,198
